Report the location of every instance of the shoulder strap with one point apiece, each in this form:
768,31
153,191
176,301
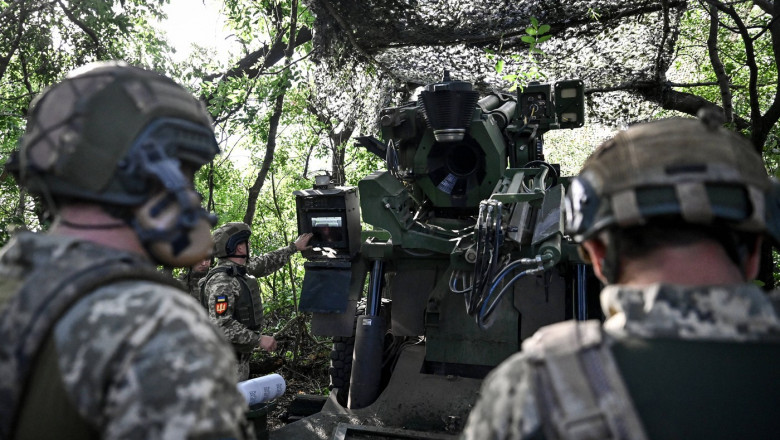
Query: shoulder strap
232,271
46,394
582,392
46,294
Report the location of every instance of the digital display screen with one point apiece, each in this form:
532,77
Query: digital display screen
327,230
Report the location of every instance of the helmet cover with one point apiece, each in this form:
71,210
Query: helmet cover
227,238
81,130
683,168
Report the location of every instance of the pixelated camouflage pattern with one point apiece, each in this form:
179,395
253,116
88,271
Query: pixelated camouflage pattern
138,358
222,284
509,406
731,313
242,366
190,281
689,158
266,264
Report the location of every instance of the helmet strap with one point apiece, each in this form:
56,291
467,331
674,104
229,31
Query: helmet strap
48,200
92,226
737,248
610,264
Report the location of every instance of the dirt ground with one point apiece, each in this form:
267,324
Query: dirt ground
303,374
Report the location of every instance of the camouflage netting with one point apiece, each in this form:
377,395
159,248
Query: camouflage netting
384,49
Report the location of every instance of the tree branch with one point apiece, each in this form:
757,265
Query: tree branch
750,62
5,60
254,191
717,66
10,8
765,5
248,66
773,112
92,35
663,95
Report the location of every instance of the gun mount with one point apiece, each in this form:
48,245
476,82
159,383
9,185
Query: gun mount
465,258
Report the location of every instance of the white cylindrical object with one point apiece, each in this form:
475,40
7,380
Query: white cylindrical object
262,389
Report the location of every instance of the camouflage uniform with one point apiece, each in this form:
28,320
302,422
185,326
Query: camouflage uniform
122,350
266,264
225,289
513,408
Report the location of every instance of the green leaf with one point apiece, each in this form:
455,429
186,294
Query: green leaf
534,21
528,39
499,66
530,31
543,38
543,29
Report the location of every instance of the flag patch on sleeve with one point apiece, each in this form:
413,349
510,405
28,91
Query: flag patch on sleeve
221,305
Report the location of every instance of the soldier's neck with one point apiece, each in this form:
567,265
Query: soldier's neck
90,223
702,263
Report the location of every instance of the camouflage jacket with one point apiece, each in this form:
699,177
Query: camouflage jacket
138,359
510,406
266,264
224,288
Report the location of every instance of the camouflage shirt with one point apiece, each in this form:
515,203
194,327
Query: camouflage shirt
138,359
510,404
225,288
266,264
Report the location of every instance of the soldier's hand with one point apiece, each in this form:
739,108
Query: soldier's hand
302,242
267,343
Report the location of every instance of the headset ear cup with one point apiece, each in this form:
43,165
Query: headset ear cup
199,247
169,241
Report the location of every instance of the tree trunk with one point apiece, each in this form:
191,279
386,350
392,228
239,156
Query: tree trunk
254,191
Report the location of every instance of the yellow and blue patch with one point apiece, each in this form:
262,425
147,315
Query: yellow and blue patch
221,305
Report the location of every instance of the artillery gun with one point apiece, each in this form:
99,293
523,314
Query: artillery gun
463,258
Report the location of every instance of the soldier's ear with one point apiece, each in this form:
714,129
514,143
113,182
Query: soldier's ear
596,251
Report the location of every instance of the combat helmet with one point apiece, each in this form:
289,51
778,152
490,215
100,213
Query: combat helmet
227,238
690,169
116,134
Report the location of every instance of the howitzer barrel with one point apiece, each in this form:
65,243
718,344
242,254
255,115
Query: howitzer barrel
489,102
502,108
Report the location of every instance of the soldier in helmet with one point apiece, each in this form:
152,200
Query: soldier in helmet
97,343
671,214
231,294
